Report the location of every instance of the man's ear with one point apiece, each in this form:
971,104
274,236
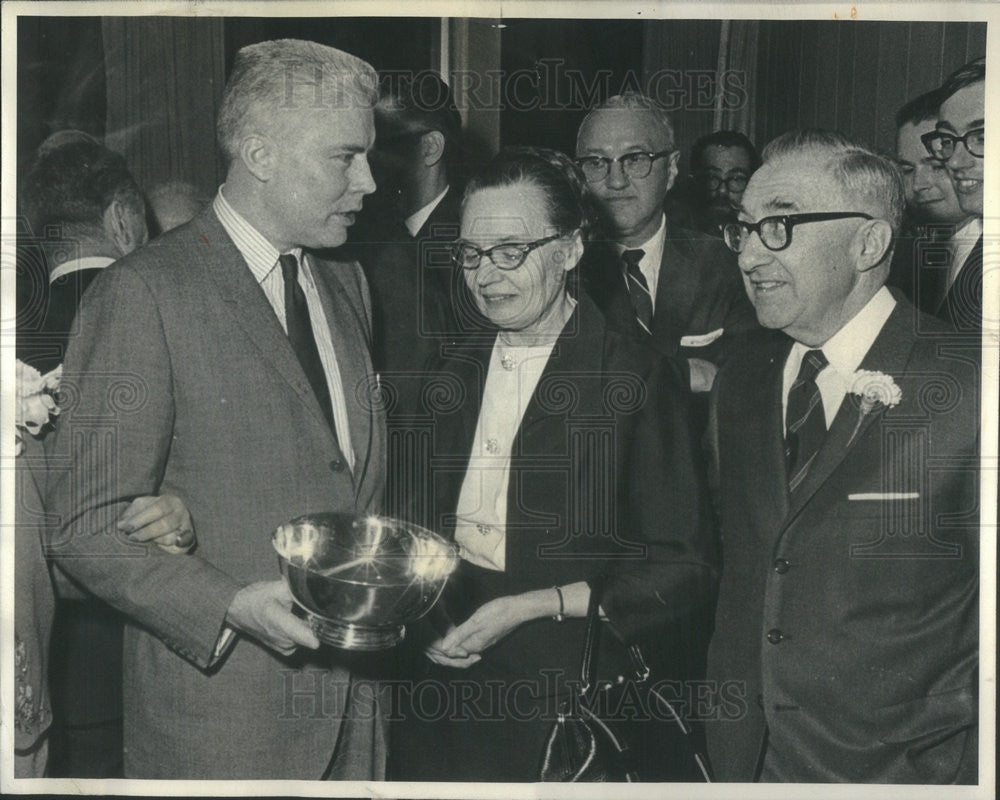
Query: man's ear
872,242
257,152
575,251
432,148
672,169
122,227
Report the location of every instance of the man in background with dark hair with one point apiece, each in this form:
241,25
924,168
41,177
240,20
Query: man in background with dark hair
959,141
402,234
86,210
721,163
925,248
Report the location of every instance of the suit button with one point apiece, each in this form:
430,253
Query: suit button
774,636
780,566
336,465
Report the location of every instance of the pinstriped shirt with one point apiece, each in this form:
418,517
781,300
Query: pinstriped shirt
262,259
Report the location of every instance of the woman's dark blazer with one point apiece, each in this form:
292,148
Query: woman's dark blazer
605,482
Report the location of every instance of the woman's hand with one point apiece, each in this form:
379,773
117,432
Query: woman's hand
163,521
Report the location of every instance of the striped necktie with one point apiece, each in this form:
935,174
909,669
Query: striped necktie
638,289
805,418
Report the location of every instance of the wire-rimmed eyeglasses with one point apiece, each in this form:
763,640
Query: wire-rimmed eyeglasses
505,256
635,165
776,232
941,145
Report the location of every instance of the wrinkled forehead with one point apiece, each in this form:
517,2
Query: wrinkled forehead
612,130
795,183
515,212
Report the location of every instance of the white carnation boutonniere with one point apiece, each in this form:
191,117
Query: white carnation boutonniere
875,390
36,402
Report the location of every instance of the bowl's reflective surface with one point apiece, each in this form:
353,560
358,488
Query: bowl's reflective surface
362,578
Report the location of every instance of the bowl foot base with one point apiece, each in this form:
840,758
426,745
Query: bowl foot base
355,637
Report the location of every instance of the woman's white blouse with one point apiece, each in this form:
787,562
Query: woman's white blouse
482,505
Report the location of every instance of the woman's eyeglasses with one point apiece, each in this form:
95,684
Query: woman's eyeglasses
776,232
506,256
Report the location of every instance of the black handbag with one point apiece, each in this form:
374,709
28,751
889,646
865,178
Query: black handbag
592,739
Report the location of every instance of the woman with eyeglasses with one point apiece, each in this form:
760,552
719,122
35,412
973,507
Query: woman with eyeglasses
561,460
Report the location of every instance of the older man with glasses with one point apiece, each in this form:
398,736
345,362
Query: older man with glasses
959,141
677,289
843,446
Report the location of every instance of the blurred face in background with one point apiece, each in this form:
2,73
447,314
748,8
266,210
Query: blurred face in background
930,195
723,177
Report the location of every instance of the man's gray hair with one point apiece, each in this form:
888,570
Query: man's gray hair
283,76
863,174
635,101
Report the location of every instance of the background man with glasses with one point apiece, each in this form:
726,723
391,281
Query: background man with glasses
959,141
925,250
843,460
674,287
720,165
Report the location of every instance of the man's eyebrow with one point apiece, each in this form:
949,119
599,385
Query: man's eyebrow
779,204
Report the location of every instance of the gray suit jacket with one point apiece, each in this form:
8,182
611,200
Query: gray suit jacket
181,381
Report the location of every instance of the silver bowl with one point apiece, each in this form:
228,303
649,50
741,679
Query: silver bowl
361,579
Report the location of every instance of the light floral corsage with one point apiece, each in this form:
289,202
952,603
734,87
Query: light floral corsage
875,389
36,403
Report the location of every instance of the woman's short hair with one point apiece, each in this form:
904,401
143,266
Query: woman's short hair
278,77
554,173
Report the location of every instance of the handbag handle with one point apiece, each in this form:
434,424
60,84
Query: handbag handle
591,641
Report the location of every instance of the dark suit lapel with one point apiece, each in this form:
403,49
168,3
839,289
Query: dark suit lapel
675,289
888,354
249,305
759,436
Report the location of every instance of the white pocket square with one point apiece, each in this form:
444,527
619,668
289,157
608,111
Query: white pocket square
884,496
701,340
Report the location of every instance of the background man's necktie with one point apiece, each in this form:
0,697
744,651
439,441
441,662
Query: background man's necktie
805,418
300,334
638,289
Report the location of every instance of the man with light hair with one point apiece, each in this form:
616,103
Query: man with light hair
845,646
677,289
230,367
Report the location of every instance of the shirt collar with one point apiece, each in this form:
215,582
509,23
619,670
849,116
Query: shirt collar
416,221
261,256
78,264
653,243
847,348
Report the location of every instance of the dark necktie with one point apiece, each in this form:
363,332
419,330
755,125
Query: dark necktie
638,289
300,334
805,419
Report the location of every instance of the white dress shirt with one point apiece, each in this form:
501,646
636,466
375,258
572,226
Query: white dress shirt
652,250
481,528
416,221
262,259
77,264
961,244
844,351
